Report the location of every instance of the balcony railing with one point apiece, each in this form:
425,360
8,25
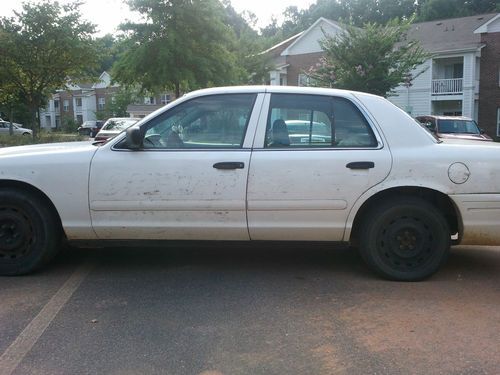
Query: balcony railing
447,86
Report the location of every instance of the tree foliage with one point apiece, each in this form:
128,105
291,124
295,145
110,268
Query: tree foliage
441,9
182,44
253,66
374,59
359,12
41,47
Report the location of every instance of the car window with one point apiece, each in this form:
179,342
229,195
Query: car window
458,126
217,121
316,121
118,124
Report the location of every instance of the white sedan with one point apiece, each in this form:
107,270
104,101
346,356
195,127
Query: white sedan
220,164
17,129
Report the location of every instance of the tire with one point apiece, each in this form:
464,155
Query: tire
405,239
29,233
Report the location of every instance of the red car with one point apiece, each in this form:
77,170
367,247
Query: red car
454,127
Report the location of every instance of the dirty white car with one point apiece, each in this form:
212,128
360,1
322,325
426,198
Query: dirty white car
219,164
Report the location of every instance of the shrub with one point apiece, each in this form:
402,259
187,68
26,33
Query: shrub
49,137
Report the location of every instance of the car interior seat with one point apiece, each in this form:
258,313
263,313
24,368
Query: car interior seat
280,134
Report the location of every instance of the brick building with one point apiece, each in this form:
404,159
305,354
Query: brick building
77,102
489,86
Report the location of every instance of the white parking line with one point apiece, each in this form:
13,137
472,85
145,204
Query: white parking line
15,353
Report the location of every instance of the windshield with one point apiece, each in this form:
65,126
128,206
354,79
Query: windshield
118,124
450,126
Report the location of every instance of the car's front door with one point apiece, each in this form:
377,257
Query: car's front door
314,157
189,179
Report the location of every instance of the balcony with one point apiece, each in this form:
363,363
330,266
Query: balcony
451,86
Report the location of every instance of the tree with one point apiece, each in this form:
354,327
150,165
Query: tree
181,44
441,9
252,65
41,48
375,59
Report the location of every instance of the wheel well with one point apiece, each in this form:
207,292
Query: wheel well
30,189
439,200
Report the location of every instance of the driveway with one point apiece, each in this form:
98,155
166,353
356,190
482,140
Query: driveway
217,309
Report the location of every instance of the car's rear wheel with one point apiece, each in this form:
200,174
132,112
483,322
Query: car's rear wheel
404,239
29,232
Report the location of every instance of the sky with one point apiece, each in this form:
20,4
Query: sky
108,14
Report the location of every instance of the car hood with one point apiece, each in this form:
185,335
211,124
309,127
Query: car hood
48,148
470,142
472,137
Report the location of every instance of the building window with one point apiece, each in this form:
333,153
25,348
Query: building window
48,122
65,105
149,100
498,122
78,102
101,103
58,121
303,79
56,104
79,119
165,99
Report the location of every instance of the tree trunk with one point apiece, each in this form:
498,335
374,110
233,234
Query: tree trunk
177,90
11,126
33,108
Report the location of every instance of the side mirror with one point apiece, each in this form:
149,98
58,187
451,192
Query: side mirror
134,138
481,131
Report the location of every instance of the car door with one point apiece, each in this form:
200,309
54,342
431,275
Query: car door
314,156
189,179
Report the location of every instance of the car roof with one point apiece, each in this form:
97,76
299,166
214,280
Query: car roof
275,89
439,117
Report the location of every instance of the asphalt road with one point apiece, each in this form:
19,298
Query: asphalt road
260,309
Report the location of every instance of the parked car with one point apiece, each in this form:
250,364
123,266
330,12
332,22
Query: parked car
454,127
17,128
211,166
90,128
114,126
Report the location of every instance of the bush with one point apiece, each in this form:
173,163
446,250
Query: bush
69,125
49,137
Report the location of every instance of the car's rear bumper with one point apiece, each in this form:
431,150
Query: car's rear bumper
480,214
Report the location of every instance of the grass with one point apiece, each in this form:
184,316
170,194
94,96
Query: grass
43,137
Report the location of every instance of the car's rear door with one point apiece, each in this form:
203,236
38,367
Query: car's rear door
303,183
188,181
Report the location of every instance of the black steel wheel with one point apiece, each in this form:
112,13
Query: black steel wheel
405,239
29,232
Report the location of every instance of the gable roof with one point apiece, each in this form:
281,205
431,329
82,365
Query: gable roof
484,28
281,46
333,24
452,34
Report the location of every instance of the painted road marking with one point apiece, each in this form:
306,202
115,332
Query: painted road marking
21,346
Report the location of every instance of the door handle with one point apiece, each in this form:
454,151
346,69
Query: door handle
360,165
229,165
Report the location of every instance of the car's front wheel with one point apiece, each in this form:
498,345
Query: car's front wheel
29,232
404,239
